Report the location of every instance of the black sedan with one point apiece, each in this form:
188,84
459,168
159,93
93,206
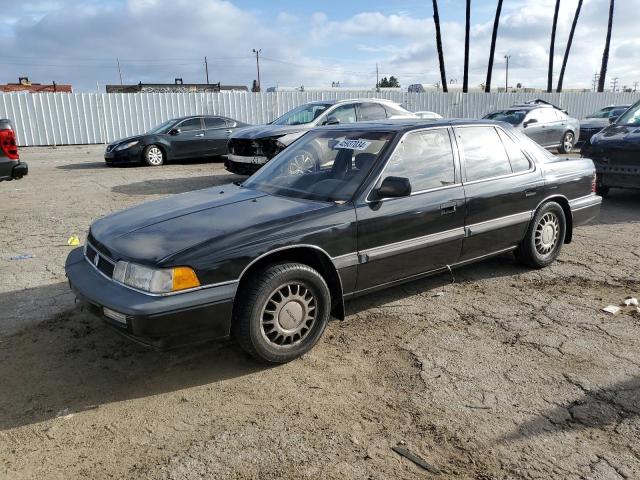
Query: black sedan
269,260
596,121
201,136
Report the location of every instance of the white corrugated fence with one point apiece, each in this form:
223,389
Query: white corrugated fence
86,118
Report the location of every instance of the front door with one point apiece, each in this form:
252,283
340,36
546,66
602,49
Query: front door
217,134
502,188
534,127
190,141
403,237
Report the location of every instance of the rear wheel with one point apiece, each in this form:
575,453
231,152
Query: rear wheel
281,312
544,238
568,141
153,156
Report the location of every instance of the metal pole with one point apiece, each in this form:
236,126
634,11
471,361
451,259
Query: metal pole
257,52
377,79
206,68
506,77
119,71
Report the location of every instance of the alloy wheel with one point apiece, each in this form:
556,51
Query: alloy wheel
155,156
547,233
568,142
288,315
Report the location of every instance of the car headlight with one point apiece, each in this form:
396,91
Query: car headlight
124,146
153,280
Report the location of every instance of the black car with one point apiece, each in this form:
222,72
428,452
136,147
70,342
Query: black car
269,260
250,148
596,121
543,122
616,152
11,168
198,136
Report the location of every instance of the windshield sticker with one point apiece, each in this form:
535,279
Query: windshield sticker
353,144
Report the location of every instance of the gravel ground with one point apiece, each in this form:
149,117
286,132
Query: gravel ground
505,373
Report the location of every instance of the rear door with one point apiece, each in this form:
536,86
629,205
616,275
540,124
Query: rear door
553,125
404,237
217,133
502,186
534,127
191,141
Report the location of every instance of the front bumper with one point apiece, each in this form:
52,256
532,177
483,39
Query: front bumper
121,157
585,209
158,321
244,165
620,176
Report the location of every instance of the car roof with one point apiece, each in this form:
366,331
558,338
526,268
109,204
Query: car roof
186,117
336,101
406,124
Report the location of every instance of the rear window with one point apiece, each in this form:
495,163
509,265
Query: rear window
514,117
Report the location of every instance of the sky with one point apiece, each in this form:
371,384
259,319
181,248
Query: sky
306,43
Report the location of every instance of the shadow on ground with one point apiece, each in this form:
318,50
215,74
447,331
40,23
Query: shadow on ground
620,206
83,166
166,186
596,408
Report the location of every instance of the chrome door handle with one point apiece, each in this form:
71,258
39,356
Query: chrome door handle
199,135
530,193
229,131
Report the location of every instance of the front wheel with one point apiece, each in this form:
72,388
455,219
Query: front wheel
281,312
544,238
153,156
568,141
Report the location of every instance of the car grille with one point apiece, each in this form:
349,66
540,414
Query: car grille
100,261
587,133
243,148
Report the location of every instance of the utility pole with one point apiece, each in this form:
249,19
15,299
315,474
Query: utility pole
206,68
377,79
506,76
635,87
257,52
119,71
614,84
596,77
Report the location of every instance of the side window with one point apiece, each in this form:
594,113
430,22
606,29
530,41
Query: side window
425,158
519,161
561,115
484,154
534,115
230,123
214,122
190,125
372,111
345,113
548,115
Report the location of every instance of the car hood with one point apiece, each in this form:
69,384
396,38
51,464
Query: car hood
126,139
618,136
154,233
265,131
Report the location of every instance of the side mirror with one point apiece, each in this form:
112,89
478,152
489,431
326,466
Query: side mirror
394,187
332,121
529,122
174,131
613,119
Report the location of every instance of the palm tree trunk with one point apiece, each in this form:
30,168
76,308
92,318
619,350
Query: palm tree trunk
494,35
605,53
465,81
569,42
436,21
552,47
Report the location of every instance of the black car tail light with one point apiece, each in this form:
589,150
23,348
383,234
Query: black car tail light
8,144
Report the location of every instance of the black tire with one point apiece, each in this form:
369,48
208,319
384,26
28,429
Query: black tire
153,156
537,250
602,190
568,142
272,313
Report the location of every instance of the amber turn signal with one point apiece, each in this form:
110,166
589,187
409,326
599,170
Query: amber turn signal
183,278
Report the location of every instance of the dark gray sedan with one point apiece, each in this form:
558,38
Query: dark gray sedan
543,122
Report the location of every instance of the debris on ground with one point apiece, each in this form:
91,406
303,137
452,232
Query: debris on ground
631,301
612,309
438,294
416,459
25,256
73,241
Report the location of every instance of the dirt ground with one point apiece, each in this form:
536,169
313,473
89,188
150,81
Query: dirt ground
505,373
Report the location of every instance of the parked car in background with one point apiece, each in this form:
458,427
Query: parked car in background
11,168
595,122
546,124
615,150
252,147
199,136
269,260
426,115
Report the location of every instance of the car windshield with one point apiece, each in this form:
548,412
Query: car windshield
604,113
631,116
303,114
163,127
514,117
326,165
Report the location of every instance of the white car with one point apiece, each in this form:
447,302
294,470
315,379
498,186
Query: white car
425,114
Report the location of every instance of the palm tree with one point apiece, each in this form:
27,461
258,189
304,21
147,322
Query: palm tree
605,53
569,42
465,80
436,21
496,22
551,47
